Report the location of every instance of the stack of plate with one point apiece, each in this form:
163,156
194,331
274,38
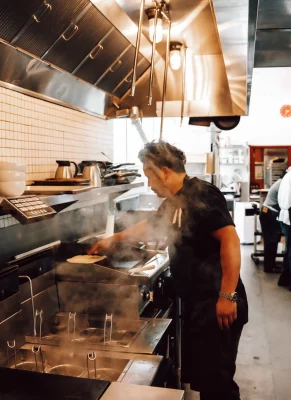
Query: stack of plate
12,179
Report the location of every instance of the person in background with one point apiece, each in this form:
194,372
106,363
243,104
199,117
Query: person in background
271,228
284,201
204,252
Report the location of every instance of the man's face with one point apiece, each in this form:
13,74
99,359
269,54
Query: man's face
157,179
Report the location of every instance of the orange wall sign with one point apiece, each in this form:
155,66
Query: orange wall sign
285,111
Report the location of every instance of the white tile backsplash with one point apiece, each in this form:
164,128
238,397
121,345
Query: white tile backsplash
36,133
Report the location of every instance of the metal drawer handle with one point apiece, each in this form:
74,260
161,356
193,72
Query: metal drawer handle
128,79
47,9
95,52
116,65
69,37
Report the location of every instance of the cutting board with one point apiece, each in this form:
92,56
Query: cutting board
52,190
62,182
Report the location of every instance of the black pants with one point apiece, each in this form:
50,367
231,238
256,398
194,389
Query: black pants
231,391
209,354
285,278
271,231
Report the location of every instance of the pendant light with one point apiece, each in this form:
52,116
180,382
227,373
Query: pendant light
159,27
175,55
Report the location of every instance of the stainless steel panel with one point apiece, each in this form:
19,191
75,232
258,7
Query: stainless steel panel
69,53
40,36
192,22
253,20
232,25
273,49
274,14
23,73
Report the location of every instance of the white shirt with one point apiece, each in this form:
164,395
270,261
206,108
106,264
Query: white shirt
284,199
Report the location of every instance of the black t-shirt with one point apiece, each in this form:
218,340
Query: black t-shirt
188,221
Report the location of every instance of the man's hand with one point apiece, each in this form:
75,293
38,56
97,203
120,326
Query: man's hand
226,312
102,246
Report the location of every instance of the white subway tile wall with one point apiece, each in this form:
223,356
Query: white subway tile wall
37,133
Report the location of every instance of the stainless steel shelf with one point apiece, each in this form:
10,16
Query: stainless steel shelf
100,195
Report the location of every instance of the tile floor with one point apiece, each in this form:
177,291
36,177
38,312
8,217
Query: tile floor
264,360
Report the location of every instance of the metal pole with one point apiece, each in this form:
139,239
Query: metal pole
165,79
183,82
153,60
31,298
133,85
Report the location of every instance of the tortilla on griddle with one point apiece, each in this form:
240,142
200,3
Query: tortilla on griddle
85,259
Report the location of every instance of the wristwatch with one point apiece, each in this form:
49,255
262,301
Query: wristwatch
233,297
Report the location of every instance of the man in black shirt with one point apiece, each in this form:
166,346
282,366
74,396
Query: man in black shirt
204,254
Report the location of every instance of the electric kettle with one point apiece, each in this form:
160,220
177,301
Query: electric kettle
91,171
64,171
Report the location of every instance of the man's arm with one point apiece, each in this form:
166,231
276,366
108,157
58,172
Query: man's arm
230,262
141,231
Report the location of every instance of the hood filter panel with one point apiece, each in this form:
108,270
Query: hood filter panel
14,14
126,85
68,54
40,36
94,68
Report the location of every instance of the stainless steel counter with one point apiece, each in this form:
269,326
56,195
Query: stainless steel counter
122,391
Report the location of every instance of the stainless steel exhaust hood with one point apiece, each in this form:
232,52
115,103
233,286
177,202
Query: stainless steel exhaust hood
80,54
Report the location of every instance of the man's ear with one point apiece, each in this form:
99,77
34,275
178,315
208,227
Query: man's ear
166,171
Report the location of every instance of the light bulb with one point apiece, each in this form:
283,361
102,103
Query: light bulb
175,59
159,32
